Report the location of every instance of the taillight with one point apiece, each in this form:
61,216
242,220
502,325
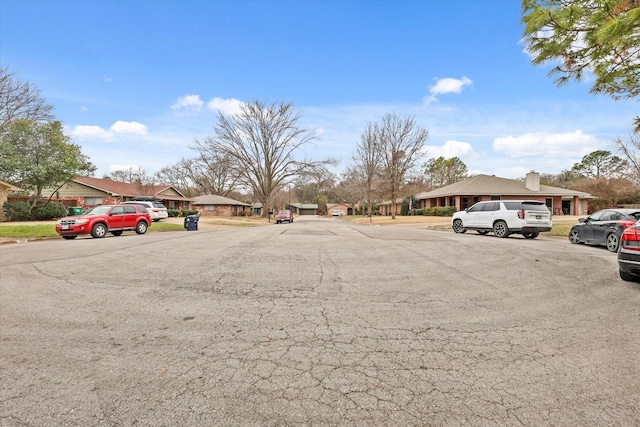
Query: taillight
626,224
631,239
521,214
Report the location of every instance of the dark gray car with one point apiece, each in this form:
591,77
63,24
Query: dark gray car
604,227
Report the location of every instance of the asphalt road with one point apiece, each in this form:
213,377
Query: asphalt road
318,322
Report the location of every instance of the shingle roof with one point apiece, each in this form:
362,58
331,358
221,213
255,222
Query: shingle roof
210,199
118,188
492,185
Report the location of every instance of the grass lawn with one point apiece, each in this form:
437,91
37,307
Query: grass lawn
39,231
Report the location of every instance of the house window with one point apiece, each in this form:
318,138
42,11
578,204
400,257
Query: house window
495,197
464,203
209,207
92,201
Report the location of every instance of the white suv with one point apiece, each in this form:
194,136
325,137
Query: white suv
156,210
504,217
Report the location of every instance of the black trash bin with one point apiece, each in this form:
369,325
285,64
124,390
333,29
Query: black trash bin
191,222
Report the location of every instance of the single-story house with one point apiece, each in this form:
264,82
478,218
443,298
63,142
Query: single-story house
89,191
211,205
465,193
339,209
303,208
386,207
5,188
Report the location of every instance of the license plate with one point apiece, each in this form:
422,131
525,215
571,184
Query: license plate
538,217
64,227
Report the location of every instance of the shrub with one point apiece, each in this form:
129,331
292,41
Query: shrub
440,211
173,213
48,211
189,212
17,211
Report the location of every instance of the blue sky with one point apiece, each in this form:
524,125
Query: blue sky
135,82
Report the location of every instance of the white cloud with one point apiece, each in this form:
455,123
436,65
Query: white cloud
547,145
451,149
83,108
131,128
108,79
226,106
190,103
91,132
446,85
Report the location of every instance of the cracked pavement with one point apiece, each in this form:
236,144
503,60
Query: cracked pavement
319,322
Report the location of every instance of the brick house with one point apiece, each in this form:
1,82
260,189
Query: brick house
339,208
88,191
211,205
465,193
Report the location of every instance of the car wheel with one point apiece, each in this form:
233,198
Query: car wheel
531,235
141,228
500,229
99,230
482,232
116,233
458,227
69,237
613,242
628,277
574,236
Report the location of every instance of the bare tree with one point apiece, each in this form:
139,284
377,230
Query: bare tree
134,175
262,141
367,162
631,150
214,171
401,144
20,100
179,175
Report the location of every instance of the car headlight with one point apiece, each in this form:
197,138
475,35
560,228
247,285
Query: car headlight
82,221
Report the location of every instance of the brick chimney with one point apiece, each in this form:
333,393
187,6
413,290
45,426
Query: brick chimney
532,182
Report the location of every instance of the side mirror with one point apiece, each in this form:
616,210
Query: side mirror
582,220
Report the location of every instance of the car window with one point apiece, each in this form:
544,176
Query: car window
595,216
535,207
118,210
513,206
635,215
98,210
478,207
129,209
159,205
492,206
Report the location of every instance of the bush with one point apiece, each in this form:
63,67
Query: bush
17,211
173,213
189,212
440,211
49,211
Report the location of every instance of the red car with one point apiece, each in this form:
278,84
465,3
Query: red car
284,215
103,219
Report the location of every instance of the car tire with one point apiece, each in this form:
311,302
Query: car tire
69,237
99,230
458,227
500,229
482,232
613,242
628,276
574,236
117,232
141,227
531,235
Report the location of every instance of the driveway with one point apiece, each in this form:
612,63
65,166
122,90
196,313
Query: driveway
319,322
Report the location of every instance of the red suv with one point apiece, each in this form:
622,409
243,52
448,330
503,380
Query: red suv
103,219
